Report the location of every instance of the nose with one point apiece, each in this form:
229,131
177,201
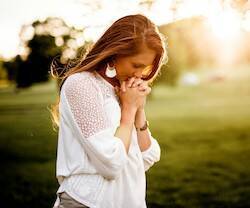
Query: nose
138,74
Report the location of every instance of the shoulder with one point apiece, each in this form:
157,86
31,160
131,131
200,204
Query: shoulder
83,81
80,76
82,86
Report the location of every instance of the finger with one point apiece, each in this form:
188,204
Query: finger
148,90
137,82
142,88
145,91
123,86
142,83
130,81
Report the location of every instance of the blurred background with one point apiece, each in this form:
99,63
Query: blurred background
199,108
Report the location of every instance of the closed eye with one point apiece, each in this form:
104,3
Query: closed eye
137,66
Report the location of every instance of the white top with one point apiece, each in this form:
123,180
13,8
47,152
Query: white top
92,164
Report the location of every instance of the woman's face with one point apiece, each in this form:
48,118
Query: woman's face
139,65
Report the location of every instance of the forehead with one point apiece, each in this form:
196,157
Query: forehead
146,56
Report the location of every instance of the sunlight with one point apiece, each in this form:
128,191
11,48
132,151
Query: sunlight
226,25
160,12
224,22
246,22
193,8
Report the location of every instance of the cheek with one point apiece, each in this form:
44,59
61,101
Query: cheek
125,68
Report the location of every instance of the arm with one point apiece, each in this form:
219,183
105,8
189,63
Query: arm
90,123
149,146
143,137
124,131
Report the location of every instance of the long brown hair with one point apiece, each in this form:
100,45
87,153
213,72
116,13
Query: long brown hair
123,38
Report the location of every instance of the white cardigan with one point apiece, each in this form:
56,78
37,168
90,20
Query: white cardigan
92,164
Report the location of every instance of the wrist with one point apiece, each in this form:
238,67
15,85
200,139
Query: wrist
128,115
140,118
142,127
129,110
140,109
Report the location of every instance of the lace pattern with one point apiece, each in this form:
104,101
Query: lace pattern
106,88
86,102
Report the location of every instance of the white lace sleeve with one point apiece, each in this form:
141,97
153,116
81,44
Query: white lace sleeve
152,154
85,102
91,125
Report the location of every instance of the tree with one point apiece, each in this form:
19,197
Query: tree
41,42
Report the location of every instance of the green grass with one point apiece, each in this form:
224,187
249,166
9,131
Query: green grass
204,134
27,147
203,131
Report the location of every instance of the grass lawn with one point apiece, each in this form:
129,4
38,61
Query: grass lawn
204,133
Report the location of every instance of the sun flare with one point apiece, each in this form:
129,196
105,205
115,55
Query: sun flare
226,25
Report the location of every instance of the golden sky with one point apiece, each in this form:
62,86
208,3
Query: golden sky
15,13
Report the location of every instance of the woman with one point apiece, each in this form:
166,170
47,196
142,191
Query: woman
104,143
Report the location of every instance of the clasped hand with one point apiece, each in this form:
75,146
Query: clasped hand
133,92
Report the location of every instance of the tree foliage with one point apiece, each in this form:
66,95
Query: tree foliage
50,38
